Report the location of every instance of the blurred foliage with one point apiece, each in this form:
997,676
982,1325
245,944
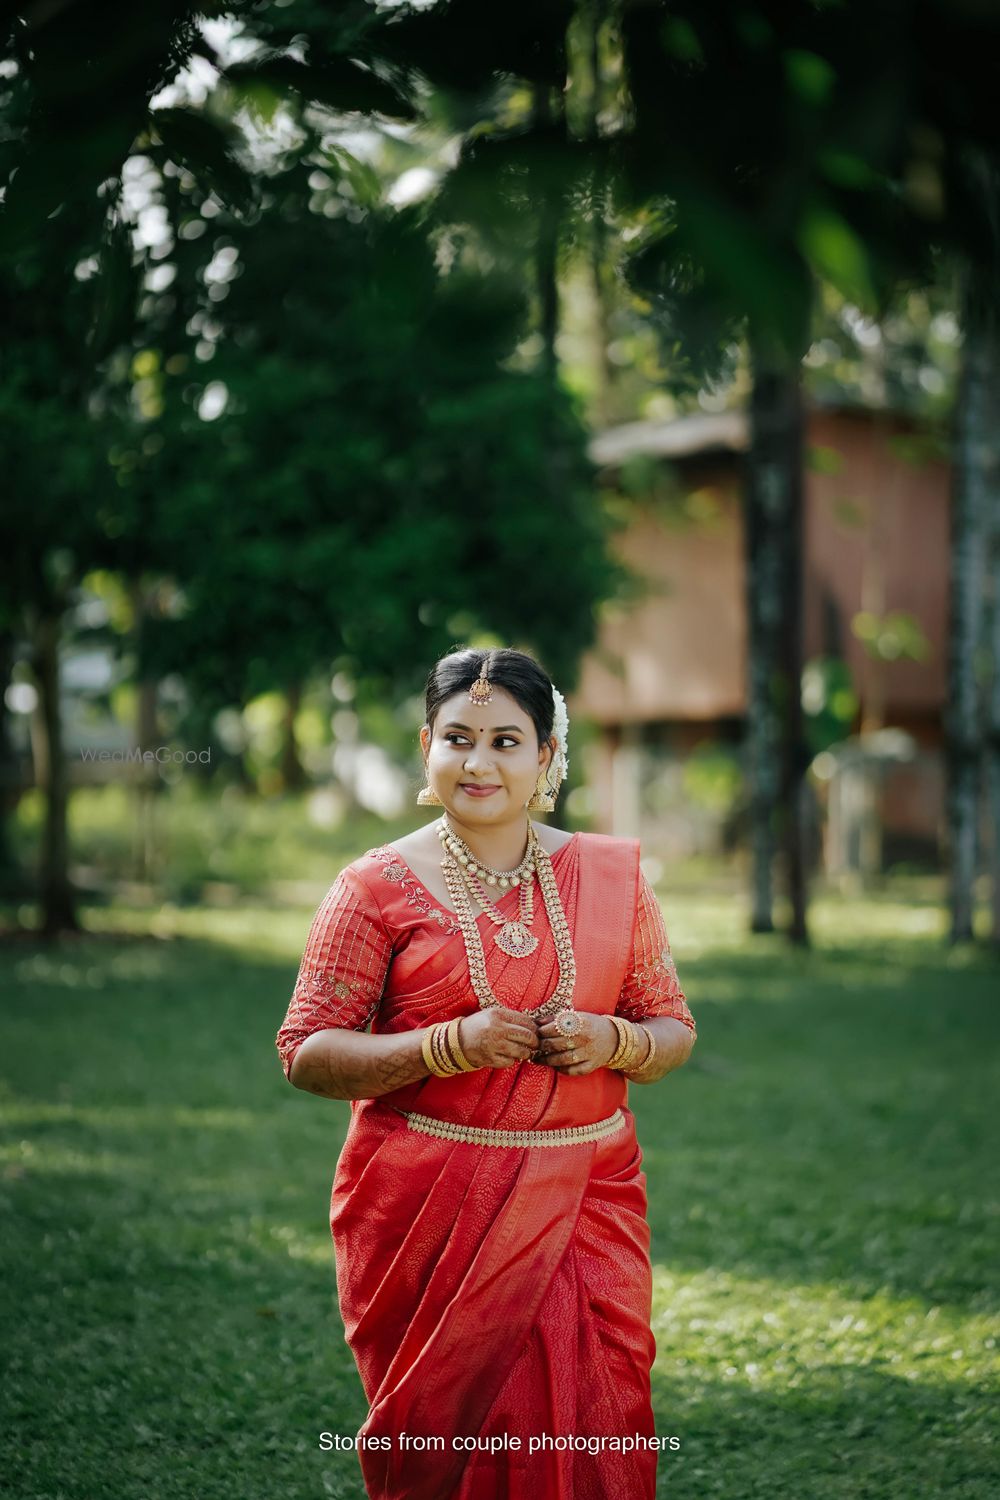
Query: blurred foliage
829,702
307,309
896,636
777,152
207,839
392,477
712,776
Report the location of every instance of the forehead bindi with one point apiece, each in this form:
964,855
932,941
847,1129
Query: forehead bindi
502,716
482,728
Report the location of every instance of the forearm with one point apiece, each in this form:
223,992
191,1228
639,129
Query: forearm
674,1044
339,1064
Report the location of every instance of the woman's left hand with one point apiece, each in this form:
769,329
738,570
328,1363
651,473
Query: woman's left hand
588,1049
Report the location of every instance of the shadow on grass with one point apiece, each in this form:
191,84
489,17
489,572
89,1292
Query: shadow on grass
841,1431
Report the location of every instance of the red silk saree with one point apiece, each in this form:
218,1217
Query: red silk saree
493,1292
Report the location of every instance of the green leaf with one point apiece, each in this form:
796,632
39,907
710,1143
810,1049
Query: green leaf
206,150
117,288
809,76
339,83
828,241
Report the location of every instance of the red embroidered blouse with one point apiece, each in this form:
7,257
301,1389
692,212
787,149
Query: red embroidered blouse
353,939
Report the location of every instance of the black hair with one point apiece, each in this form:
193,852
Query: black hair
524,679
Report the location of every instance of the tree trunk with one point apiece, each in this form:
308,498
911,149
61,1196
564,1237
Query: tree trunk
597,247
547,243
148,786
52,776
293,776
973,478
993,707
776,753
9,779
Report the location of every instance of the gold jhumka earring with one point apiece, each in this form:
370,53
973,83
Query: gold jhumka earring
543,798
427,796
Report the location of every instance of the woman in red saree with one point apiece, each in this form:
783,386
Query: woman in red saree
489,1225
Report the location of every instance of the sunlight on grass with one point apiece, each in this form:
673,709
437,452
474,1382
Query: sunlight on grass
120,1117
22,1157
291,1241
768,1333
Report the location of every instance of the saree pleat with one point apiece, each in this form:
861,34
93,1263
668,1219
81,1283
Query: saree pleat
584,1368
491,1291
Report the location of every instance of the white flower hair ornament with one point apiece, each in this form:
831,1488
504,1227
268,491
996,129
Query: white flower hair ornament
560,728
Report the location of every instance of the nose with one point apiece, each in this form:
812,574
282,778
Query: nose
478,760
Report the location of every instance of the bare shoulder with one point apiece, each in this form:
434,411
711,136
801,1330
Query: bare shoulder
420,841
550,838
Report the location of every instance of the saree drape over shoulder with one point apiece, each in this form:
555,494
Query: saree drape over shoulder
493,1289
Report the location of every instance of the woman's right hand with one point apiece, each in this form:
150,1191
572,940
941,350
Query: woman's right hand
498,1037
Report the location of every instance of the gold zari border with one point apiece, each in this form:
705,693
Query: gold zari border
482,1135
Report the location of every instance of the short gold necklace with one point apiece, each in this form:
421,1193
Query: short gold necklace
561,999
515,937
457,846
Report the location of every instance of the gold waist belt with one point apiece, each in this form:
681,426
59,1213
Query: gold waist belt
481,1135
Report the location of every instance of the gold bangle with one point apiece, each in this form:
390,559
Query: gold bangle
623,1042
627,1043
632,1054
619,1044
451,1060
646,1063
443,1070
445,1065
428,1055
455,1046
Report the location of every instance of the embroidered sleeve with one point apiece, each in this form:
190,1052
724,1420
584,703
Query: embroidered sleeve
343,968
651,986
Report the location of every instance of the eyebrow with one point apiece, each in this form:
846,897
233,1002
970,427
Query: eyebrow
497,728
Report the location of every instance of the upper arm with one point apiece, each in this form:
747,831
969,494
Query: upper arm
343,969
651,986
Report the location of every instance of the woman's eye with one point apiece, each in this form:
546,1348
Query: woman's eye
504,739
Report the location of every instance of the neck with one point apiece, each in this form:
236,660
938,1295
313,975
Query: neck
503,847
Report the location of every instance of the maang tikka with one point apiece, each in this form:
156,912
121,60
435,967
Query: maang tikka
481,690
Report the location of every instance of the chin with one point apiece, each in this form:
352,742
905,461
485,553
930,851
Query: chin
464,806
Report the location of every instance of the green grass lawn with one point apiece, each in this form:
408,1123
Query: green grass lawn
821,1182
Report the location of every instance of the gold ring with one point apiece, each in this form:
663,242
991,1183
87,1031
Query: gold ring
568,1022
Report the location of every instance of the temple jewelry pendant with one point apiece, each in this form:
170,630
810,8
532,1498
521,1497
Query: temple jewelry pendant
515,939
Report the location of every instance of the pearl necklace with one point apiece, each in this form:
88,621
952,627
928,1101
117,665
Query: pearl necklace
465,857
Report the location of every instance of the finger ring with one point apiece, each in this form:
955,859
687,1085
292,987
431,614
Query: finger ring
568,1022
571,1054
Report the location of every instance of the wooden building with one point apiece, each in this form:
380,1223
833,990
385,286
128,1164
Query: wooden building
668,675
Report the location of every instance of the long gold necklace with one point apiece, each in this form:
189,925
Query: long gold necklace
561,999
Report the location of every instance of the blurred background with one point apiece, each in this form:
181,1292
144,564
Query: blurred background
660,340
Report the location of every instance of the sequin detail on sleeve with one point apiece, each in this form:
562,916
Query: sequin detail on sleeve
651,986
343,968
